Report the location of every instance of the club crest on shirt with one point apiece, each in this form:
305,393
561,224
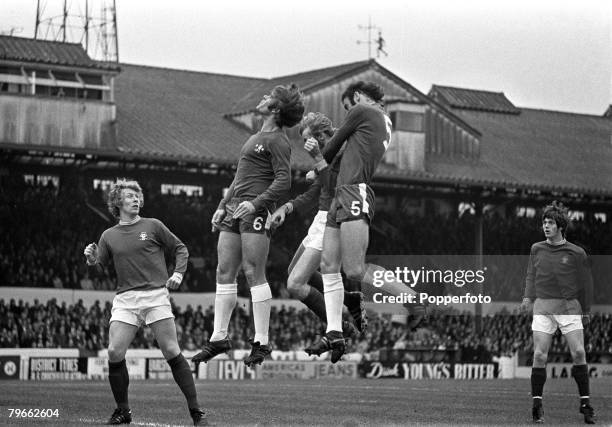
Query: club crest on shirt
143,236
565,260
259,148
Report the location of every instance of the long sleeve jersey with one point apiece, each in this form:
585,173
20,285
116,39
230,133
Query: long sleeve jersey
321,191
137,252
559,271
263,175
367,132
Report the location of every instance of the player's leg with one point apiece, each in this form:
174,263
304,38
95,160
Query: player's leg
229,253
255,246
580,372
121,335
165,334
305,262
542,338
333,294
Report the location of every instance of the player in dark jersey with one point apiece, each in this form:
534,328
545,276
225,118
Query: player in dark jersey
136,247
305,263
263,177
558,291
366,132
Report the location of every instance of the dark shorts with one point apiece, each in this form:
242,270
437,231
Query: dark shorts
351,202
251,223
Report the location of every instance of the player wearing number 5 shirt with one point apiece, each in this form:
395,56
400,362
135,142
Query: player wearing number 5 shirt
263,177
367,134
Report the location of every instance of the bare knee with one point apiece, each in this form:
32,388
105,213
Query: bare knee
354,272
297,286
224,274
539,358
115,354
579,356
250,272
170,350
328,266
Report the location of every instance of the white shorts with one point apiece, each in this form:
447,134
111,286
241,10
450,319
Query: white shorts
550,314
138,307
314,238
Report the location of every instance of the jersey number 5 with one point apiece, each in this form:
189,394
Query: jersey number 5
388,125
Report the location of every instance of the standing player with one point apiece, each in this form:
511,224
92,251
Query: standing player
263,177
560,282
136,246
306,261
367,133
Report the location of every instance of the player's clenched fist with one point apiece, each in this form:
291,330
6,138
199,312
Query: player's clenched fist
526,305
312,146
91,253
217,218
175,281
278,217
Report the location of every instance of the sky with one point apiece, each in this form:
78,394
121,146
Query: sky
554,55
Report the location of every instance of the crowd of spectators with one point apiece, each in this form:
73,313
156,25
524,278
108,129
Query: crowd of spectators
52,325
45,228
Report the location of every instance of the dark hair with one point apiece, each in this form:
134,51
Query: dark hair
115,195
558,213
290,104
370,89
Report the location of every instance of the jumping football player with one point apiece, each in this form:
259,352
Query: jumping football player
366,132
263,177
305,263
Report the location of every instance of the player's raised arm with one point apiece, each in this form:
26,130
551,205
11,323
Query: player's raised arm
333,146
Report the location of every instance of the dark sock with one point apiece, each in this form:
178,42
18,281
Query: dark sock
581,376
181,371
316,302
538,378
316,281
119,382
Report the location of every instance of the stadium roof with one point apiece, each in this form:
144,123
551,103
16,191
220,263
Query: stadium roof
473,99
48,52
167,113
306,81
538,149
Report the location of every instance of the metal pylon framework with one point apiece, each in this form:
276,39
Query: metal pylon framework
93,23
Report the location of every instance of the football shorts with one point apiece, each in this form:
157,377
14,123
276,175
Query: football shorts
314,238
138,307
351,202
550,314
251,223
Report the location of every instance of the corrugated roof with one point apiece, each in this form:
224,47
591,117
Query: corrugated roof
48,52
538,148
304,80
176,113
472,99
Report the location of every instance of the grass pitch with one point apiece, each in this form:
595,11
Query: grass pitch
310,402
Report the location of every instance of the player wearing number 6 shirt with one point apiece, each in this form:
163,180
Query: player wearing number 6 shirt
136,247
366,132
263,177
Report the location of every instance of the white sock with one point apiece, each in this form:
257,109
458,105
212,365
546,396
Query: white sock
225,301
333,292
261,296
